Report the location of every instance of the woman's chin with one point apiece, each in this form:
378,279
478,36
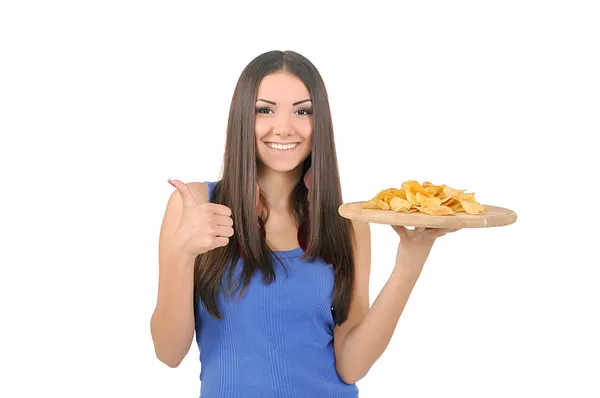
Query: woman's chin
280,167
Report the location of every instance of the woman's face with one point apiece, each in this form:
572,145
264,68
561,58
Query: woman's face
284,121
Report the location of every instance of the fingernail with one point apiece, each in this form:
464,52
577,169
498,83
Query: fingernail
169,180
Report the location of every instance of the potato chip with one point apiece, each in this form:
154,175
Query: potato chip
399,204
427,198
427,201
401,193
385,192
413,186
466,196
436,210
428,184
472,207
411,197
451,192
432,191
383,205
388,196
371,204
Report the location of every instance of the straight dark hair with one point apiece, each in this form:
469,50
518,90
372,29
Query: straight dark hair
323,233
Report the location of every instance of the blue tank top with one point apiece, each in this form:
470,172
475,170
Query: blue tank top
277,340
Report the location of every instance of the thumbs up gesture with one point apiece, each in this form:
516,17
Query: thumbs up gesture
203,226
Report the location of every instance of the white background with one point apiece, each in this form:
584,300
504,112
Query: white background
102,102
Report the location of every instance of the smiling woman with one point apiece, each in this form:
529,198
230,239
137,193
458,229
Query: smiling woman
261,266
269,296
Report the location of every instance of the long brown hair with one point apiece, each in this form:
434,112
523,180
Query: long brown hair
323,232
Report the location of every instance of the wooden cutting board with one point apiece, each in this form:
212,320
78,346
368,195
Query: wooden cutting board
494,217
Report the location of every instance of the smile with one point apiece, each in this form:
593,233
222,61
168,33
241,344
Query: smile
282,147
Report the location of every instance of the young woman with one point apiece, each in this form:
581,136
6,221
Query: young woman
259,264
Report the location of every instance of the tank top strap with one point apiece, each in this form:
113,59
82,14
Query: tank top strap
211,189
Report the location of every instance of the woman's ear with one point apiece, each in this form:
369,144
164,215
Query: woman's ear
308,180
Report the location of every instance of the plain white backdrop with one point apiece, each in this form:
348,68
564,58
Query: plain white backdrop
102,102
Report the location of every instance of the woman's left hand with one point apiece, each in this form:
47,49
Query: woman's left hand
415,245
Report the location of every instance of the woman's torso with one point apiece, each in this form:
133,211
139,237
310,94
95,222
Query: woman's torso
277,340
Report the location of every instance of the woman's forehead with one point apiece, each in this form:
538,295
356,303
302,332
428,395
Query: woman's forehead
282,87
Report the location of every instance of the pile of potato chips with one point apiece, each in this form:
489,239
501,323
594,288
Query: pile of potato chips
436,200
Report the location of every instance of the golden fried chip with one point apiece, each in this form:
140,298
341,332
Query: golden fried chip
371,204
413,186
383,205
466,196
426,201
439,200
428,184
411,197
432,191
385,192
472,207
401,193
455,205
436,210
451,192
388,196
400,205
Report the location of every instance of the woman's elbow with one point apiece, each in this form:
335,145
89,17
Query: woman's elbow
171,361
351,375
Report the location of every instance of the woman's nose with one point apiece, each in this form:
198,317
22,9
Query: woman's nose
282,125
283,131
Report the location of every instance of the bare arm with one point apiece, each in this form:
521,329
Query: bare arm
363,338
172,323
366,342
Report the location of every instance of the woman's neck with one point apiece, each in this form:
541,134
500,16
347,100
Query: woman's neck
276,186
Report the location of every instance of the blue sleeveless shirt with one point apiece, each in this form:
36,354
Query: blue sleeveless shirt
277,340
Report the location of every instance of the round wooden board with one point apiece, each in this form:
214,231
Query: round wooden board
493,217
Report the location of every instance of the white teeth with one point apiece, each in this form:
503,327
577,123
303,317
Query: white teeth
281,147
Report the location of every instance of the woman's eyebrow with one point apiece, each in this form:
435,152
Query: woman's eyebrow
274,103
300,102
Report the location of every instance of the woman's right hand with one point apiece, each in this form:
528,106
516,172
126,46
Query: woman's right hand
203,226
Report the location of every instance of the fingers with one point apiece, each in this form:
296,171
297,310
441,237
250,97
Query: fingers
401,230
224,221
439,232
220,210
184,191
220,241
221,235
225,232
449,231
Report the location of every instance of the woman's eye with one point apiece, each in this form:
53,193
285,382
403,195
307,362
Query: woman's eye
305,112
264,111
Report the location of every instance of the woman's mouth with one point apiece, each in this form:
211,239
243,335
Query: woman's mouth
277,147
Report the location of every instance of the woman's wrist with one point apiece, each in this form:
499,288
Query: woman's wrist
405,271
